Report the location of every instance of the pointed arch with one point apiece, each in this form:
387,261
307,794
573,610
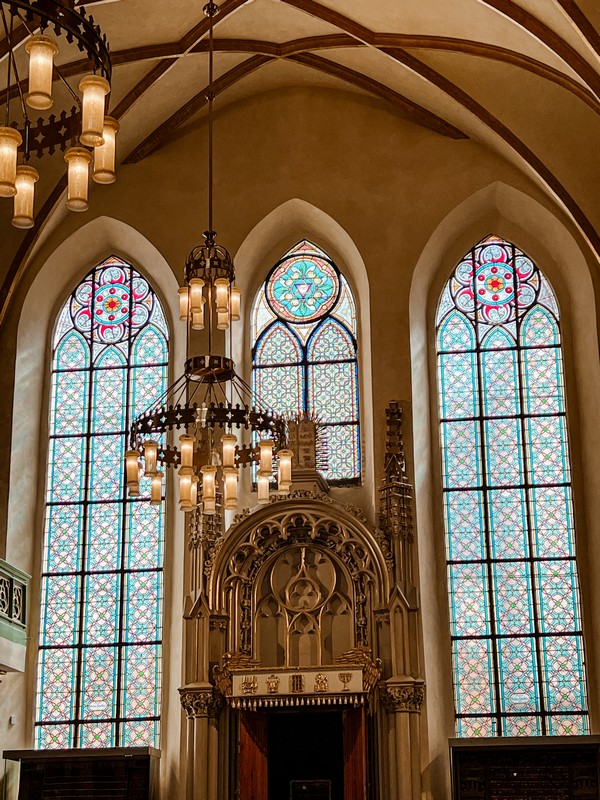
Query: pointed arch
100,634
515,617
305,353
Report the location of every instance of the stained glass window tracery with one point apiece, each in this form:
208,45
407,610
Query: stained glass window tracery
99,670
513,588
304,357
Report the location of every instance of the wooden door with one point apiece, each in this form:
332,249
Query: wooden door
355,755
253,777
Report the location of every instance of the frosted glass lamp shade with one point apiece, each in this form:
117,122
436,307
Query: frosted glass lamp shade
266,457
222,295
132,466
25,181
79,160
105,154
156,489
198,320
150,457
184,303
222,320
194,491
228,441
196,296
186,449
209,489
41,50
284,478
10,139
185,488
263,489
235,300
94,89
230,478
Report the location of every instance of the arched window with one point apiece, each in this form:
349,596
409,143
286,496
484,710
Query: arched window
304,357
513,587
100,628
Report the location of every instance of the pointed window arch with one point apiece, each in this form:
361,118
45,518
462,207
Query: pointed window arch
99,672
513,588
304,356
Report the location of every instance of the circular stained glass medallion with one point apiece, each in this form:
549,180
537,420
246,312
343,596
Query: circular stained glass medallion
303,288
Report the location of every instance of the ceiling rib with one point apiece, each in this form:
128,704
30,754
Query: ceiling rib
456,93
579,19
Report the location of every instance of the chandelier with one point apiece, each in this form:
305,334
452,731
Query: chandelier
210,405
84,133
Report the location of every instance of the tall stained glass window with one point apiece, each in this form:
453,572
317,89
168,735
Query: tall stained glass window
514,596
99,673
304,354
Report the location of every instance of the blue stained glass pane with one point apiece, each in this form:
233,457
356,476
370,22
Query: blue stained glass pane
508,523
461,454
568,725
99,682
142,607
469,599
539,328
547,449
107,475
456,334
55,684
522,726
464,525
104,537
343,452
332,392
54,737
67,469
476,727
473,676
145,536
150,347
303,288
278,346
552,522
108,409
280,388
64,526
148,386
70,402
563,673
512,585
504,453
542,378
138,733
458,372
72,353
142,679
101,620
500,382
558,596
519,691
60,610
96,734
330,342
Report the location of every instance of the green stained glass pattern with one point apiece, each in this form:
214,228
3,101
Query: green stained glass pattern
512,576
101,620
304,357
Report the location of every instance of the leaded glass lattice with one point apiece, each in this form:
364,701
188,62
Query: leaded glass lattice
514,597
304,357
99,673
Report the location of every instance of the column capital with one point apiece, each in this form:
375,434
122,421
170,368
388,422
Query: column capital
402,694
200,700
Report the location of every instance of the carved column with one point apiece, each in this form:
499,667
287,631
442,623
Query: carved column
402,698
202,705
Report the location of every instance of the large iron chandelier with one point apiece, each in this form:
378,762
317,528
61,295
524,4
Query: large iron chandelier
84,133
211,406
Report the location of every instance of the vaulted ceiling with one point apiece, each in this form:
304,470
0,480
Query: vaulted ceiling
522,77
